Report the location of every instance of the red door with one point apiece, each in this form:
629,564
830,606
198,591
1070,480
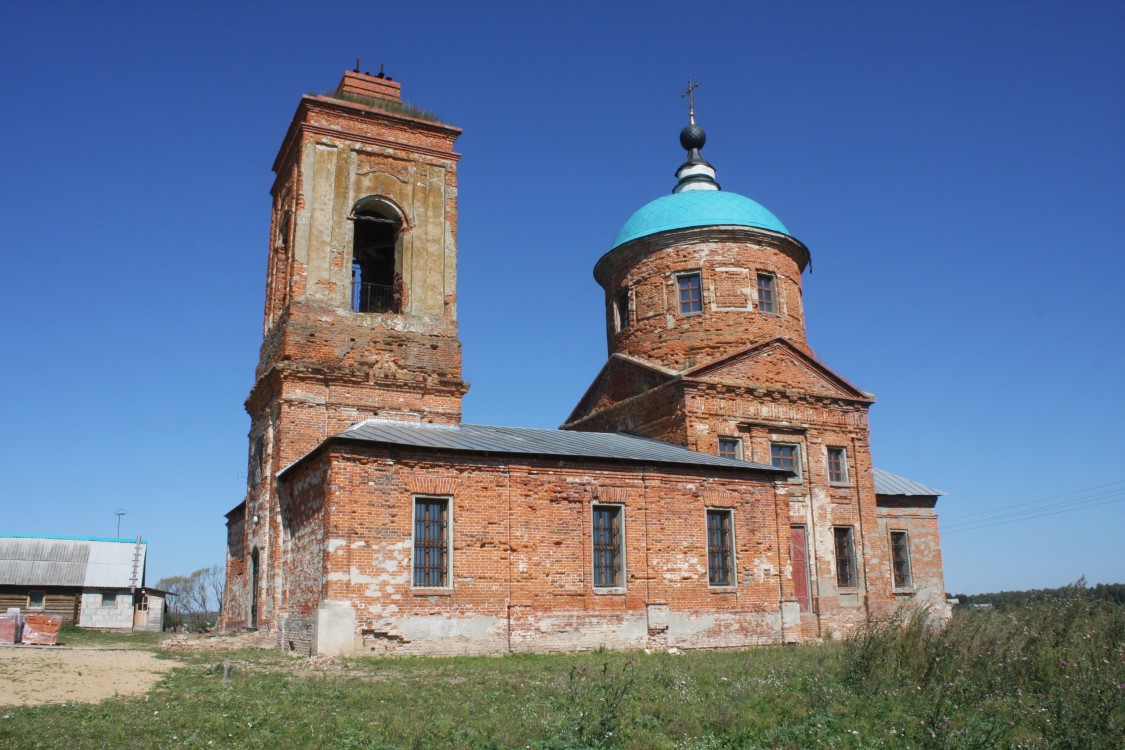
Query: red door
799,556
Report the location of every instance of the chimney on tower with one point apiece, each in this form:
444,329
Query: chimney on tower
374,86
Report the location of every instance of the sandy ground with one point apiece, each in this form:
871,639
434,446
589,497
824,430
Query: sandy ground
31,676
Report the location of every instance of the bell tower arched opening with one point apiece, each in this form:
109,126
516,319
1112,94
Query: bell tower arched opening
376,257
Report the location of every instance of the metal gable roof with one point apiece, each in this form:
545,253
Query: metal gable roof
92,563
538,441
887,483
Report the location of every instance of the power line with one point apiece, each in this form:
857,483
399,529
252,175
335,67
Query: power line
1000,514
1034,515
1066,507
1040,500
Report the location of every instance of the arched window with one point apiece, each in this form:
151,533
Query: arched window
378,227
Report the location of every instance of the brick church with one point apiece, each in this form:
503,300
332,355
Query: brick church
712,488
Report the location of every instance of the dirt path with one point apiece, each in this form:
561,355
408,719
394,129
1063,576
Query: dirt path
31,676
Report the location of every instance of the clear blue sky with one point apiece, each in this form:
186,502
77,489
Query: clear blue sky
955,168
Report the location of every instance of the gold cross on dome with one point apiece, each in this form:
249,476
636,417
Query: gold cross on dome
690,94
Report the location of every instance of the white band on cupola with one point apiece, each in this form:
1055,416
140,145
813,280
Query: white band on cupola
695,173
699,176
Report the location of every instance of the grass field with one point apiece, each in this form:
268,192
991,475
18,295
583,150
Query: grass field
78,637
1050,676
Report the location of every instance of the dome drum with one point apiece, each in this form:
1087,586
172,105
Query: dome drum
696,295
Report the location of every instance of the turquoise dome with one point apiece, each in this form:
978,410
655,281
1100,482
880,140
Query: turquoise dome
697,208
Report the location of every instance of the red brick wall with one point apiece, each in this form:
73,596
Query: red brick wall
656,413
917,517
235,612
706,411
522,569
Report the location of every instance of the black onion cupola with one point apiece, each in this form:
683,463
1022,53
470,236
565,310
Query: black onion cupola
695,173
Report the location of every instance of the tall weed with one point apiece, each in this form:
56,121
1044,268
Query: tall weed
1049,675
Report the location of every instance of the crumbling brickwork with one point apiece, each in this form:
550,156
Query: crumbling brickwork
521,553
728,261
325,365
736,373
336,546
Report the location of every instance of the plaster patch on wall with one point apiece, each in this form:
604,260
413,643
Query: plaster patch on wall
682,625
357,577
681,568
431,627
763,567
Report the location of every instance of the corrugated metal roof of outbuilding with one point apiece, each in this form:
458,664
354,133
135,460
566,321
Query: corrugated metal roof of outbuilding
60,561
539,441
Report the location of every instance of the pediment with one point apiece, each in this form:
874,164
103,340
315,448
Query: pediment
777,365
621,378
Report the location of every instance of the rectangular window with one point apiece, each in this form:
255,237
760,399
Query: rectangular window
690,289
845,557
730,447
609,571
786,456
35,599
109,598
621,309
767,293
431,542
837,466
900,559
720,547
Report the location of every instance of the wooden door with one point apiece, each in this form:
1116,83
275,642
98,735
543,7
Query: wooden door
140,612
798,554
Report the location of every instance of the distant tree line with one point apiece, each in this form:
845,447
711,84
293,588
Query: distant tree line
1110,593
198,598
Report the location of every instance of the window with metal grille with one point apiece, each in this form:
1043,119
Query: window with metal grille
767,293
431,541
845,557
786,456
730,447
690,288
720,547
900,559
621,309
608,569
837,466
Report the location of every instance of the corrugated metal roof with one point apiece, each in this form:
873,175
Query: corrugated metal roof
45,561
887,483
112,564
538,441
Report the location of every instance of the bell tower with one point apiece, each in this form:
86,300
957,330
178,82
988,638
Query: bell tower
361,299
361,295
